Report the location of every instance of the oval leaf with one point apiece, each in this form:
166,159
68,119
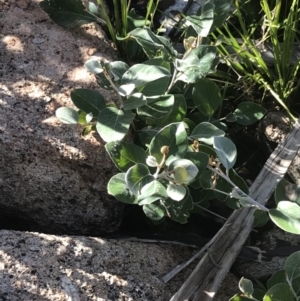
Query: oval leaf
292,266
206,132
152,189
279,292
174,136
176,192
277,277
247,113
136,177
206,96
154,211
179,211
118,188
89,101
141,74
246,286
67,115
286,216
226,151
125,155
113,123
158,108
185,170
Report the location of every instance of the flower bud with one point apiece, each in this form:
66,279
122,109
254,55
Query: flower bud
164,150
180,174
151,161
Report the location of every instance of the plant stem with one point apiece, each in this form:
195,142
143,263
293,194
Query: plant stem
211,212
113,85
252,201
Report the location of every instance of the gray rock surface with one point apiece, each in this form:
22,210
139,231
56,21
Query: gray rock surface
40,267
50,178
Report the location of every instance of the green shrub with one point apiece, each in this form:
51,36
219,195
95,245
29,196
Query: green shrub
284,285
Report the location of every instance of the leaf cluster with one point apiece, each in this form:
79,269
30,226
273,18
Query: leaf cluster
173,109
284,285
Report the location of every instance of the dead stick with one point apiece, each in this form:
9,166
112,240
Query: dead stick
206,278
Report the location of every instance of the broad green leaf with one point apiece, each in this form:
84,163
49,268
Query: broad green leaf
226,151
142,74
153,45
260,218
222,9
67,115
246,286
93,65
188,68
146,134
103,82
135,101
206,63
176,114
118,68
287,191
286,216
174,136
118,188
233,203
200,159
88,101
126,90
179,211
137,177
158,108
280,193
247,113
113,123
190,125
206,179
151,192
125,155
207,150
279,292
156,87
277,277
202,23
158,61
206,96
185,170
292,266
176,192
154,211
69,14
206,132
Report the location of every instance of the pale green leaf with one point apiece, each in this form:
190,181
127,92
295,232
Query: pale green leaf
206,132
67,115
125,155
226,151
113,123
118,188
